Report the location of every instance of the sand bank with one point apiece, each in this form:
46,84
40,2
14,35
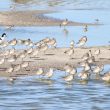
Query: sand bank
56,58
33,18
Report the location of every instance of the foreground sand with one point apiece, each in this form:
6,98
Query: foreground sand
33,18
56,58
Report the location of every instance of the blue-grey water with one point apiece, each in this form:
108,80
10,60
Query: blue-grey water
28,93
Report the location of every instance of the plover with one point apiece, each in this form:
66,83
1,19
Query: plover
82,41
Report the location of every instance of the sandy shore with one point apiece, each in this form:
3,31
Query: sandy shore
33,18
56,58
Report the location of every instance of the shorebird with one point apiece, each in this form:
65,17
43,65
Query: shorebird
87,67
27,42
39,72
10,69
64,23
24,65
82,41
17,68
91,60
12,51
3,36
2,61
106,77
85,28
49,74
22,54
12,59
72,44
84,75
69,77
30,50
34,52
97,70
73,71
68,68
85,57
52,42
43,47
45,40
97,52
69,52
13,42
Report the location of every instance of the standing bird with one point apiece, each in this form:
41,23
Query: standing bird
85,28
72,44
97,52
68,68
106,77
17,68
49,74
12,59
10,69
43,47
64,23
24,65
13,42
97,70
84,75
52,42
82,41
69,77
2,61
70,51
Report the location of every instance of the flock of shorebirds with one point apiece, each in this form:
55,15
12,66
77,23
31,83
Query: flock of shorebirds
87,63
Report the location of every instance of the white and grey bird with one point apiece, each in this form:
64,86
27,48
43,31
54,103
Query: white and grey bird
98,69
13,42
43,47
69,78
73,71
2,61
68,68
12,59
69,52
64,23
72,43
97,52
52,42
84,75
106,77
9,69
82,41
24,64
49,73
17,67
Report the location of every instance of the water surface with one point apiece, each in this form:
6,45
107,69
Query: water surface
28,93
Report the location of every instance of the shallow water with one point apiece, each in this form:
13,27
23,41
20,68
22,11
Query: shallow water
29,93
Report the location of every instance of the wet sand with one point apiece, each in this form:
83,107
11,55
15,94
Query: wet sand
33,18
56,58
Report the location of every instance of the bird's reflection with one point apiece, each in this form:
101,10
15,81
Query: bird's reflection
65,32
46,81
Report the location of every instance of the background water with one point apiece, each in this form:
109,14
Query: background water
27,93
